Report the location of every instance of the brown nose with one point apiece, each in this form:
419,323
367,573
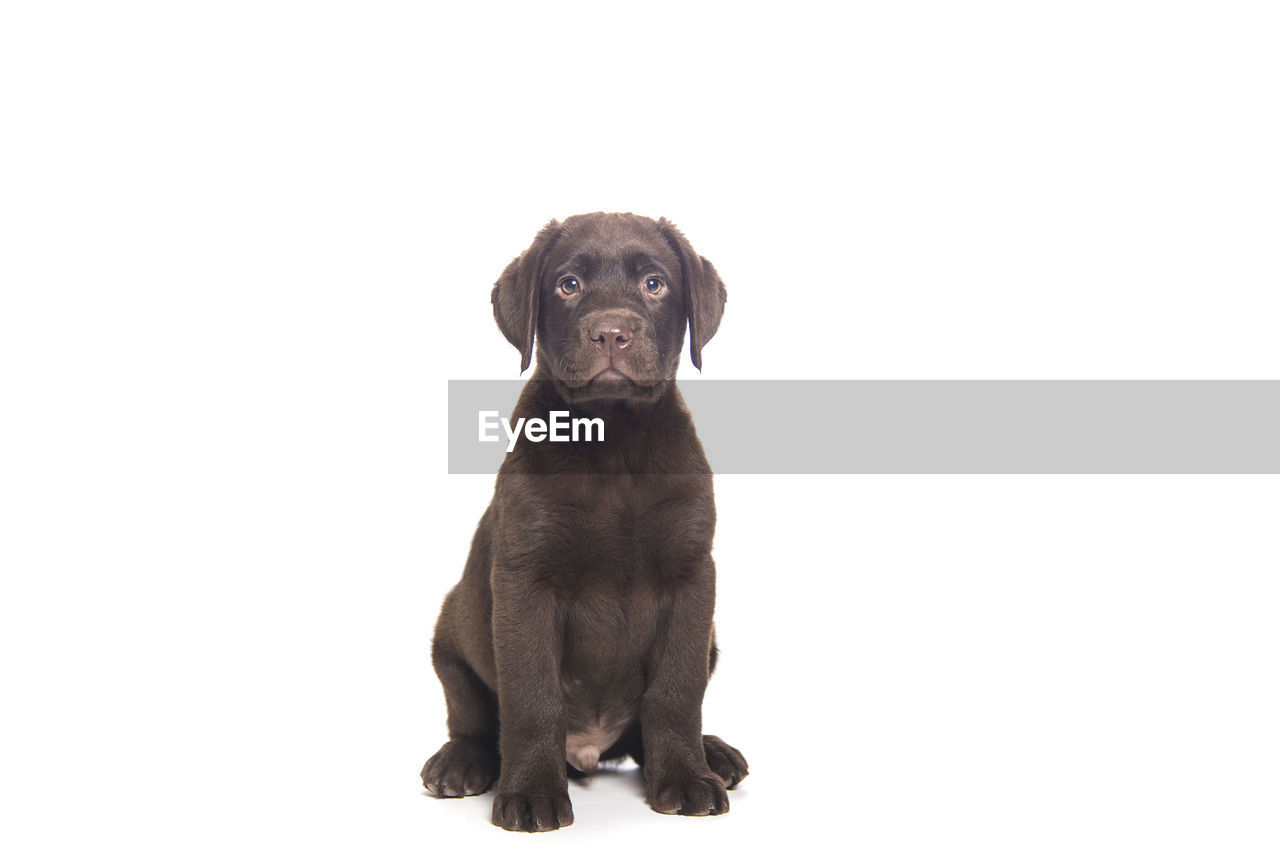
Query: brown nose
609,336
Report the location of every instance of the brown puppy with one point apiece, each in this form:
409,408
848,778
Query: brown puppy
582,628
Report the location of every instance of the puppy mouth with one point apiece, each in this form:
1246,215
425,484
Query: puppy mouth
608,382
611,376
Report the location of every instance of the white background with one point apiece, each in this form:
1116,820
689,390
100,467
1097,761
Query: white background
244,245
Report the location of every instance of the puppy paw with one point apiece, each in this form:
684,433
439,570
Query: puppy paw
693,793
724,761
532,812
459,769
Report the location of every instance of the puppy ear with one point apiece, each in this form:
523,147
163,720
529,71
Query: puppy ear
515,294
704,293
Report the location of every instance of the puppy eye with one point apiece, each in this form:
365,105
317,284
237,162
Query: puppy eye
569,286
653,284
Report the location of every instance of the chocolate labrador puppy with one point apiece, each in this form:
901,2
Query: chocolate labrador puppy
582,628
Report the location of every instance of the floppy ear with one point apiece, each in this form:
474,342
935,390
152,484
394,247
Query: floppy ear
704,294
515,294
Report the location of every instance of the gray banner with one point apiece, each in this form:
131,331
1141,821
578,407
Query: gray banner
944,427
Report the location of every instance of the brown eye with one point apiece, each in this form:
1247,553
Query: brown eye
653,284
569,286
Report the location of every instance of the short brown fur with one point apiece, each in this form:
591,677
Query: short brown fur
584,613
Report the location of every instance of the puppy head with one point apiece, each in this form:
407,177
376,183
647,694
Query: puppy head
606,298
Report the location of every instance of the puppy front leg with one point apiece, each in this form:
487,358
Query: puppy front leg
533,790
677,778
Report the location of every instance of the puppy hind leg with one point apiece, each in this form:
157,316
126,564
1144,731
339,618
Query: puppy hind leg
724,761
468,764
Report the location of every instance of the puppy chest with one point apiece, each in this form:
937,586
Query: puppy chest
610,624
629,544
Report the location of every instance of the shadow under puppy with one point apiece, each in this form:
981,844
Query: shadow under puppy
582,628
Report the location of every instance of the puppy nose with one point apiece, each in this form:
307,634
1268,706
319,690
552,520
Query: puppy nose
611,335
